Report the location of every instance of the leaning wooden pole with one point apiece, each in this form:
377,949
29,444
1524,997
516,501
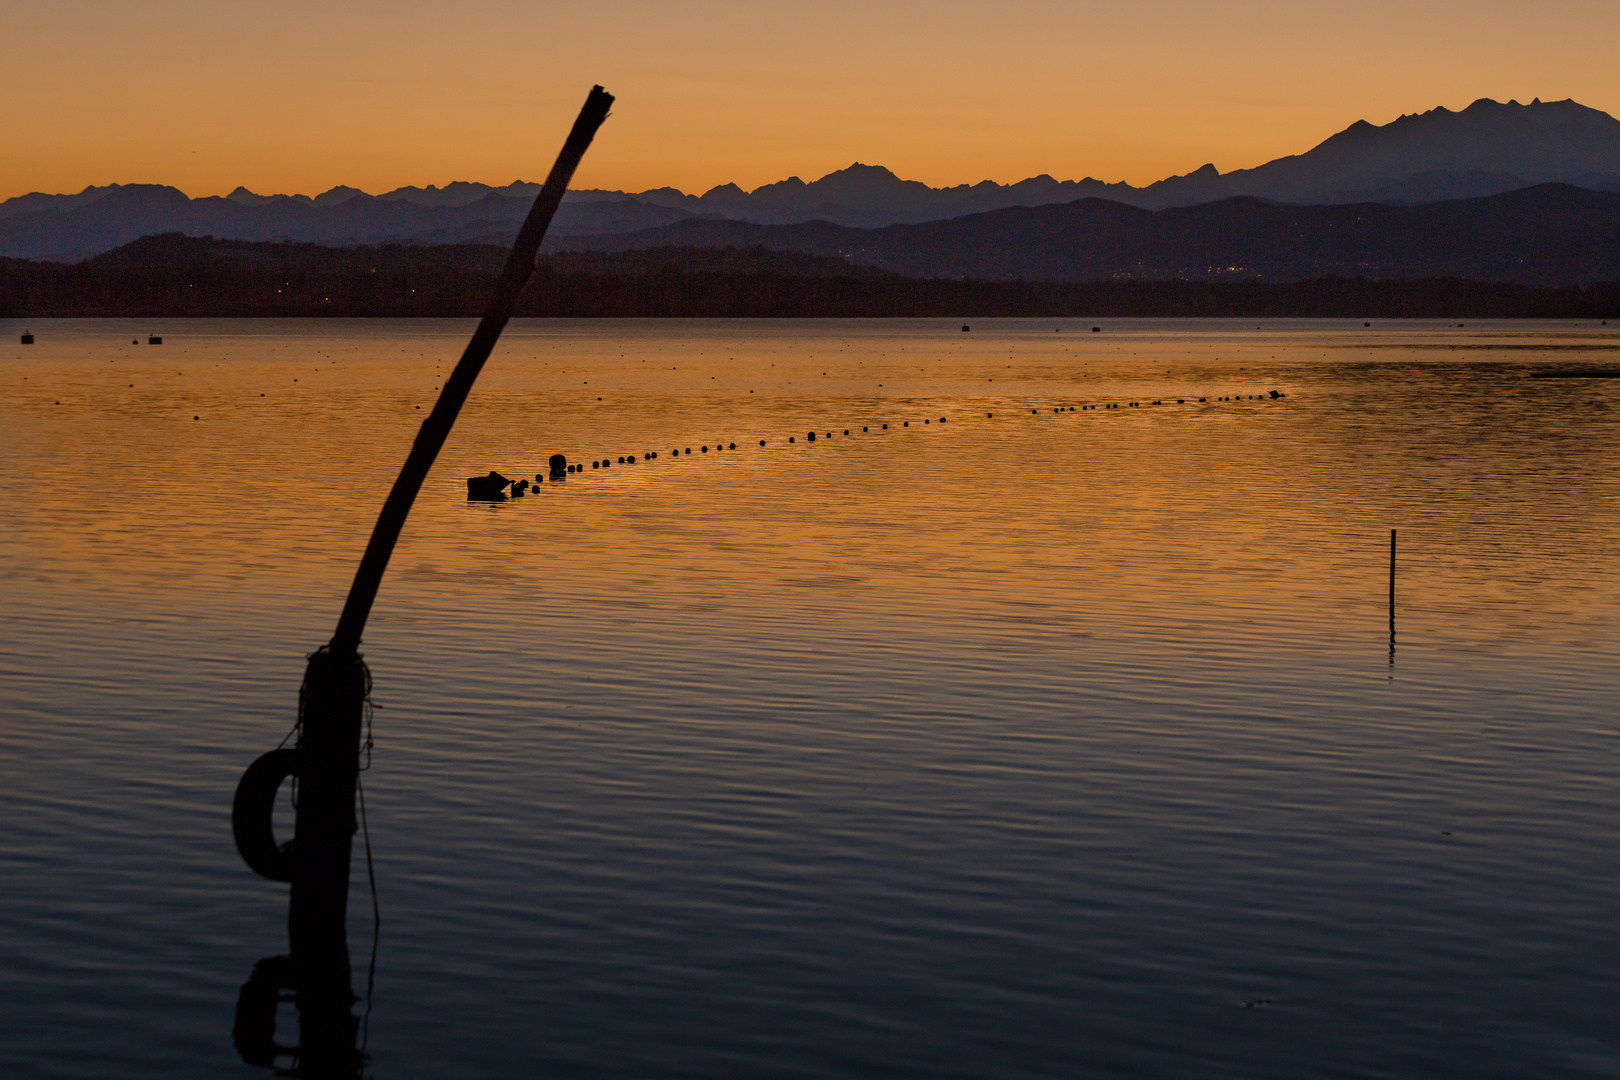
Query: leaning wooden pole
332,701
436,428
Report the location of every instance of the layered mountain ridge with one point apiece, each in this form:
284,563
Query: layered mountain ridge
1486,149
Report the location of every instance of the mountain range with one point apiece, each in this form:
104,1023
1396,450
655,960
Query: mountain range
1489,148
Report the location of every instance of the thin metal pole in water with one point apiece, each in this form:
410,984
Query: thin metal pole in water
1392,592
332,701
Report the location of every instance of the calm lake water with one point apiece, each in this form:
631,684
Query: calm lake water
1039,744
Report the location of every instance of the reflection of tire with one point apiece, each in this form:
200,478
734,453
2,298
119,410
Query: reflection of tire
255,1030
252,811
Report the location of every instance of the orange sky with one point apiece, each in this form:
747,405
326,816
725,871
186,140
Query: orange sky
299,97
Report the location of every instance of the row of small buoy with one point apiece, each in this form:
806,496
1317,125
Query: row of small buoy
494,487
151,339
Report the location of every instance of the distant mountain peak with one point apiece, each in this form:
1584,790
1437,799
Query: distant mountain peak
1487,148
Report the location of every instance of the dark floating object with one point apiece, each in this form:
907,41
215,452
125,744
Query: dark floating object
621,459
1275,394
491,488
810,437
27,339
1096,329
1363,324
153,339
866,429
942,419
733,446
925,421
134,341
762,442
1578,373
846,431
705,450
790,438
518,488
906,424
558,464
965,328
688,450
988,415
885,427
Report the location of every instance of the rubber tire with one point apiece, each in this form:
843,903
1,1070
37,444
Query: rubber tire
252,812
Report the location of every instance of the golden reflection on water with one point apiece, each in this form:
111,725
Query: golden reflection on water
244,461
1047,730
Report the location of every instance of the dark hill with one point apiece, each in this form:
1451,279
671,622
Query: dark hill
1550,235
176,276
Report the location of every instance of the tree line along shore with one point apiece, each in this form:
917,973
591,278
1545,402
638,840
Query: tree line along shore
174,276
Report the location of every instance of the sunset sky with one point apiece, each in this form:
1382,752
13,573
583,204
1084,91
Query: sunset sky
300,96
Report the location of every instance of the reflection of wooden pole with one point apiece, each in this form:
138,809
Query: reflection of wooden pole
332,702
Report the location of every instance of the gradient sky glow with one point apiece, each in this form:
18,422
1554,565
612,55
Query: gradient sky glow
300,96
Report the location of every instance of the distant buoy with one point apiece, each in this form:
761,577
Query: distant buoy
1096,329
964,328
906,424
846,431
810,437
988,415
732,446
762,442
705,450
790,438
27,339
866,429
942,419
885,427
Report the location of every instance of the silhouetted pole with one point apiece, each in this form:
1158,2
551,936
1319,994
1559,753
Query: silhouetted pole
1392,592
436,428
332,701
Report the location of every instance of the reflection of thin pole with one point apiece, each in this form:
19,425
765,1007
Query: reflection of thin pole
436,428
1392,596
